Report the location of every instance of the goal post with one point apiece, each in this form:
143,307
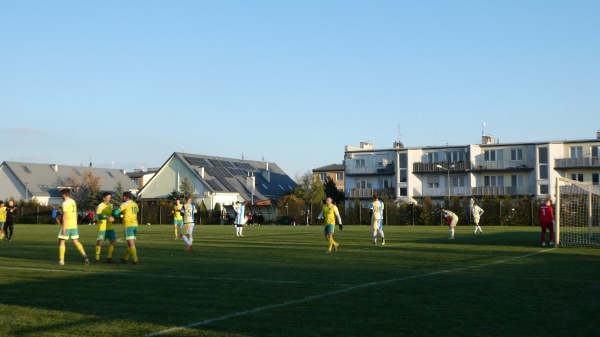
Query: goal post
577,213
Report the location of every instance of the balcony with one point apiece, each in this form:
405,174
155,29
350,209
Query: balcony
459,166
499,190
440,192
368,192
364,170
466,191
502,165
565,163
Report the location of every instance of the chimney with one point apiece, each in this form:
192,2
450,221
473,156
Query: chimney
598,134
54,167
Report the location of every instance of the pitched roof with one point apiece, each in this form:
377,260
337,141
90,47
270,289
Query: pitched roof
328,168
45,179
229,175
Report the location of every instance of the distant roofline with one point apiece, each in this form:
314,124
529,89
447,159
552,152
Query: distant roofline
433,147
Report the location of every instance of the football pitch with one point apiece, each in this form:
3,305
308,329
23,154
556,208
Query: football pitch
278,281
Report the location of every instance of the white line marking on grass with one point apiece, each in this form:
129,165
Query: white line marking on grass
335,292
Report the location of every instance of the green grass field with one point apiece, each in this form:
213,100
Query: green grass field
277,281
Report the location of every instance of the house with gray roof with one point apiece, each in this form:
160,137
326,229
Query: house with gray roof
219,180
43,182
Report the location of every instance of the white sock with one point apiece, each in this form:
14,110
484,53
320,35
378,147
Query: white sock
481,230
185,239
452,232
241,228
191,239
381,234
237,231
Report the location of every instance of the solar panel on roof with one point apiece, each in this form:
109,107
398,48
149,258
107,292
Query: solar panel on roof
197,161
228,164
216,163
214,185
228,185
211,171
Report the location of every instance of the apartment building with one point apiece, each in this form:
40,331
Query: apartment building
490,168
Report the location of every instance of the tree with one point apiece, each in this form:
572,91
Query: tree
117,197
331,191
186,189
290,206
85,189
311,190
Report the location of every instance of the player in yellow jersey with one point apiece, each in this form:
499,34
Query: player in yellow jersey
68,229
329,213
128,211
177,218
2,219
105,227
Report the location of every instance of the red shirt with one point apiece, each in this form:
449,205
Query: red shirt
546,214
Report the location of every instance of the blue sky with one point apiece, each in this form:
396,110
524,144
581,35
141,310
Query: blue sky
292,82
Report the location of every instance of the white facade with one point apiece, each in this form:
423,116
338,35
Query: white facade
515,169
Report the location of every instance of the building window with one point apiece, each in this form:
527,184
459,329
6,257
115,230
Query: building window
489,155
516,181
577,176
595,179
403,191
359,163
265,186
516,154
432,157
576,151
543,162
323,176
458,181
339,176
595,150
544,189
433,182
493,181
455,156
26,169
403,167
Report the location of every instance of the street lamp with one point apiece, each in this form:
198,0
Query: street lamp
447,180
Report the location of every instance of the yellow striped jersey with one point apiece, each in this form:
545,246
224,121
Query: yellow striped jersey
69,208
129,210
105,211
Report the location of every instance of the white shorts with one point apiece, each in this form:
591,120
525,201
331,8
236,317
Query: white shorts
188,228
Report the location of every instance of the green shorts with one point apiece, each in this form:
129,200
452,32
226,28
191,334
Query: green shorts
131,232
69,234
106,235
179,223
329,229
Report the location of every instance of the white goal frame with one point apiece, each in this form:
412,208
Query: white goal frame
586,191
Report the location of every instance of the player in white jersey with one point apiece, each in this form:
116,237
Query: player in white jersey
188,211
452,219
477,212
377,207
240,218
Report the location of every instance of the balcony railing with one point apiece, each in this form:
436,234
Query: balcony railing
440,192
432,167
368,192
369,170
577,162
502,165
465,191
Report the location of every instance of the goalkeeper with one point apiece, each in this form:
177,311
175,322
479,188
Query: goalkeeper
547,221
329,213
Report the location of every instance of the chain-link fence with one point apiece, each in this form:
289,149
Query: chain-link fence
505,211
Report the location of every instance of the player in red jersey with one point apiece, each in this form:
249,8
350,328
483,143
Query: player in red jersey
547,221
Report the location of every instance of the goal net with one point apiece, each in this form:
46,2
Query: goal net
577,213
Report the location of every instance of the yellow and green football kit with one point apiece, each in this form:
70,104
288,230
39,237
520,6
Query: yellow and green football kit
2,221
